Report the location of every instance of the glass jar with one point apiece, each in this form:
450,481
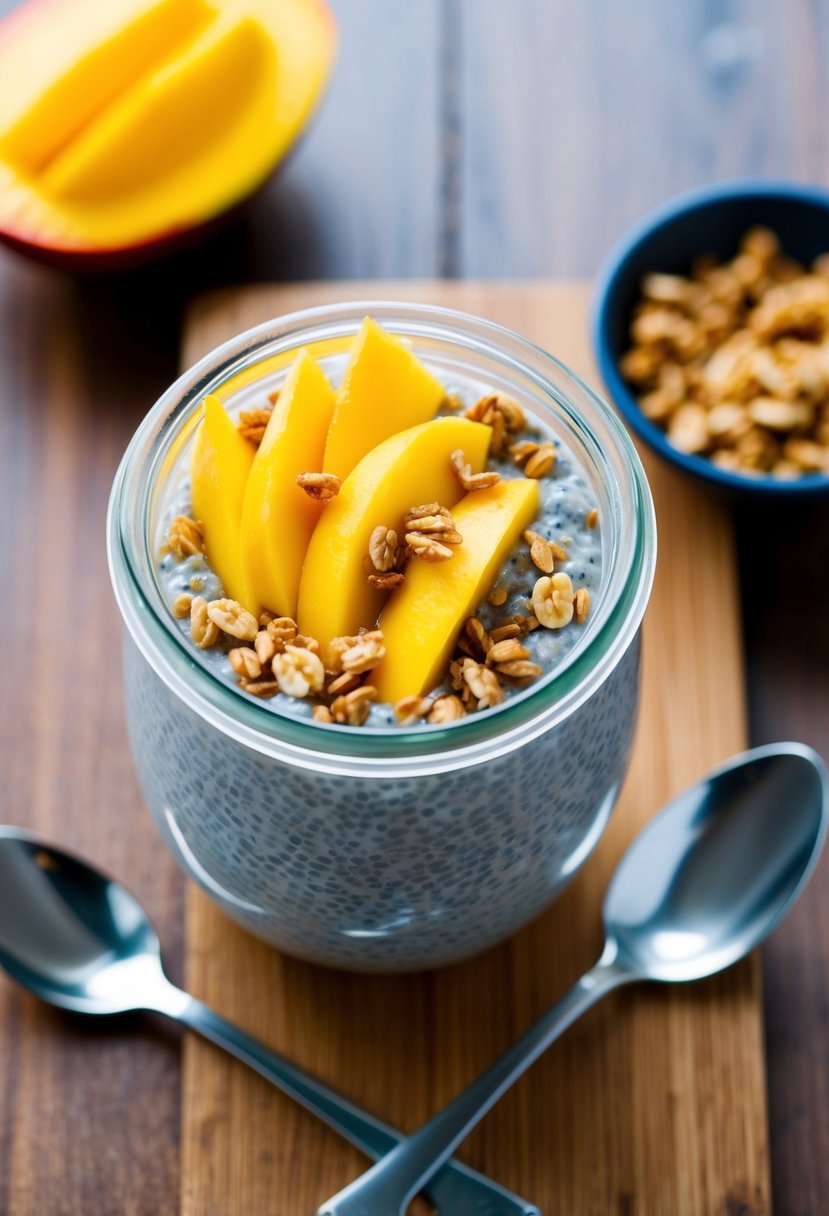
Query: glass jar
393,848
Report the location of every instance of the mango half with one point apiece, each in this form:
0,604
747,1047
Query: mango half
409,469
422,620
127,123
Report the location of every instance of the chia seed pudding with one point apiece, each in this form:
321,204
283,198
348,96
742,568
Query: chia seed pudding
389,847
567,516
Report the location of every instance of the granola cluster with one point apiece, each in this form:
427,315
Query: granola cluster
319,486
732,362
502,413
184,538
271,656
429,533
253,423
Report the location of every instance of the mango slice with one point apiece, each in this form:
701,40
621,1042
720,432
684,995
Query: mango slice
176,114
277,516
219,469
385,389
406,470
422,620
127,122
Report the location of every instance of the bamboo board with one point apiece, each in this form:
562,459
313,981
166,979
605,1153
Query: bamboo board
655,1103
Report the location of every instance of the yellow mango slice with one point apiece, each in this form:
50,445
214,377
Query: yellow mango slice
406,470
180,111
53,96
385,389
421,621
219,468
277,516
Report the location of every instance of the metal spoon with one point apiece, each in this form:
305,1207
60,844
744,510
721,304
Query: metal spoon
80,941
698,889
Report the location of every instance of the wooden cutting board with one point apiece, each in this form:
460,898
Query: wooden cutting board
655,1102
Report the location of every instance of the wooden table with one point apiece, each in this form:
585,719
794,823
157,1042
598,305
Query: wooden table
463,138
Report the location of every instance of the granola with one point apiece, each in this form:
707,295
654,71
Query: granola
732,361
353,708
506,651
181,605
260,688
233,619
185,538
427,547
471,481
358,653
203,631
502,413
446,709
481,684
581,605
245,662
298,671
411,709
386,582
265,646
253,423
320,486
558,552
430,531
542,554
365,654
384,549
541,461
553,599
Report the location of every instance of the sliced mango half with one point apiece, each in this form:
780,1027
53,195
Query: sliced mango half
125,122
219,468
277,516
385,389
410,468
422,620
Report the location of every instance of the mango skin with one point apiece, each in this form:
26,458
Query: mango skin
408,469
422,620
278,517
219,468
385,389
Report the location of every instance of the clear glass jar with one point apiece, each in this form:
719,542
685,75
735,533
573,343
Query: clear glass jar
383,849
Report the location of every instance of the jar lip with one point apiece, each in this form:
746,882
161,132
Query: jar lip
373,751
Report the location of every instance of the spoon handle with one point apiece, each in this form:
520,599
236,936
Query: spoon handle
388,1187
454,1190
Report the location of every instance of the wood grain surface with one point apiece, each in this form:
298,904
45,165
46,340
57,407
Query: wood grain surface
459,138
655,1104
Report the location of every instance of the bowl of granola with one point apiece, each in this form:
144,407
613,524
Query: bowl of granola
711,331
382,579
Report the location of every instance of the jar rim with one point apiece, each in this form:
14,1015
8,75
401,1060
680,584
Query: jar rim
398,750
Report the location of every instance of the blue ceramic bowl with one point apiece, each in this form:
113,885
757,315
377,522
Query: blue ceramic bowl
710,220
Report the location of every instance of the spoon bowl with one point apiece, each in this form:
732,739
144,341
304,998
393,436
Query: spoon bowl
719,867
71,935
